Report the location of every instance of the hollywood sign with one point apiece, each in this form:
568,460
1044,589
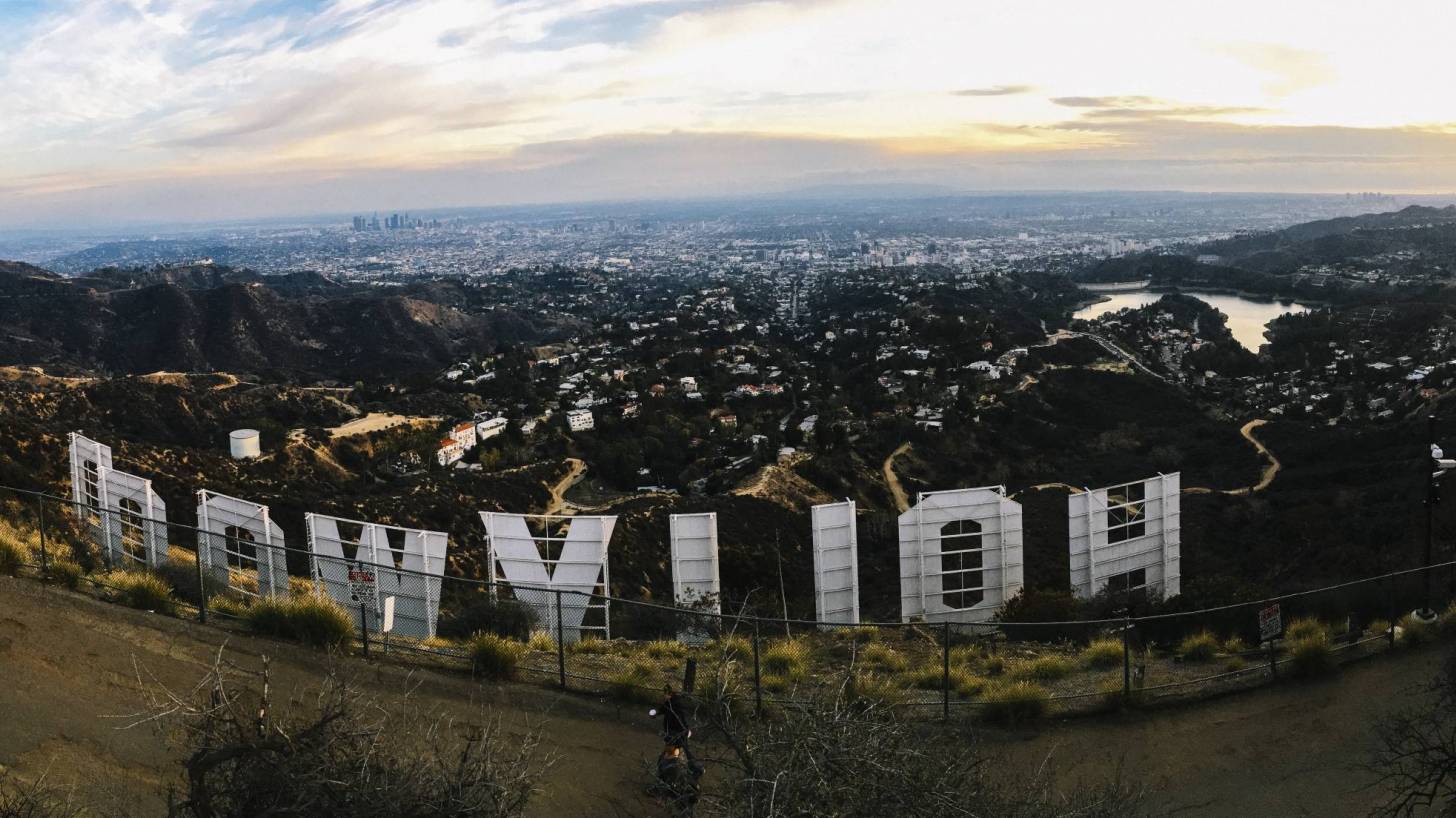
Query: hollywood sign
960,551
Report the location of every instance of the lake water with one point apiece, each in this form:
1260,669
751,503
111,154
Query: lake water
1246,318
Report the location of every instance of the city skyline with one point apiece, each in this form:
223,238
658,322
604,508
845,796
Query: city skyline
209,110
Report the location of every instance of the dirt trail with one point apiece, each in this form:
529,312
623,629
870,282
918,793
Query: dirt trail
70,663
575,471
902,500
1271,469
376,421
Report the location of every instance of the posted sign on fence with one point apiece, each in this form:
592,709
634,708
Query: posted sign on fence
361,583
1271,623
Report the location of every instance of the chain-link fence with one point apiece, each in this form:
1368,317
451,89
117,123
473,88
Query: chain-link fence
374,587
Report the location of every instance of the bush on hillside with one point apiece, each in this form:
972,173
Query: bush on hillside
139,589
494,656
1103,654
308,619
1200,647
1013,703
502,617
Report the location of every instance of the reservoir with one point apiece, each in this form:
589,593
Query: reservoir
1246,317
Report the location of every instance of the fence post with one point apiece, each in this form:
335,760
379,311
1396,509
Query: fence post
757,686
560,642
364,626
945,671
1126,659
201,586
45,572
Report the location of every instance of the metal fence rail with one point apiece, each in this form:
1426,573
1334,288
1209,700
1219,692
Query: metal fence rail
932,669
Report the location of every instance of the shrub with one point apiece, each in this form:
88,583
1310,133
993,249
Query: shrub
1042,668
542,641
1234,644
139,589
502,617
966,655
1415,631
229,606
783,659
1310,654
1380,627
182,576
883,657
926,677
12,557
965,683
869,688
1014,702
639,682
494,656
308,619
993,666
591,646
1303,627
1233,663
665,649
67,572
1198,647
730,647
1103,654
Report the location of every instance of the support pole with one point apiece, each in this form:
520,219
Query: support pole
560,643
1432,495
45,572
1126,660
945,671
201,586
757,684
364,625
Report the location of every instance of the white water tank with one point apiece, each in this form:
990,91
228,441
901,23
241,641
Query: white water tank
245,444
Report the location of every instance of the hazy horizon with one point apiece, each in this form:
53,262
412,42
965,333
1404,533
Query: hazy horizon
127,111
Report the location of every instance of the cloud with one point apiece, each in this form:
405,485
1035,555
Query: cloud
109,98
995,91
1290,70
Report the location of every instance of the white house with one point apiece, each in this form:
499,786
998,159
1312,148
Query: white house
688,383
580,420
464,434
487,429
450,452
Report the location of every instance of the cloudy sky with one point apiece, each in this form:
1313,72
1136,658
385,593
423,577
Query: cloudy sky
200,109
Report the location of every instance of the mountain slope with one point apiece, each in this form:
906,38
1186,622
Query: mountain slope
205,318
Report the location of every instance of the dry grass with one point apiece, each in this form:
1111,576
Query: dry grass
139,589
1042,669
541,641
1310,655
882,657
639,682
1015,702
1303,627
494,656
1200,647
308,619
1103,654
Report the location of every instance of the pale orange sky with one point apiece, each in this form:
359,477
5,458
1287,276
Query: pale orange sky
148,108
